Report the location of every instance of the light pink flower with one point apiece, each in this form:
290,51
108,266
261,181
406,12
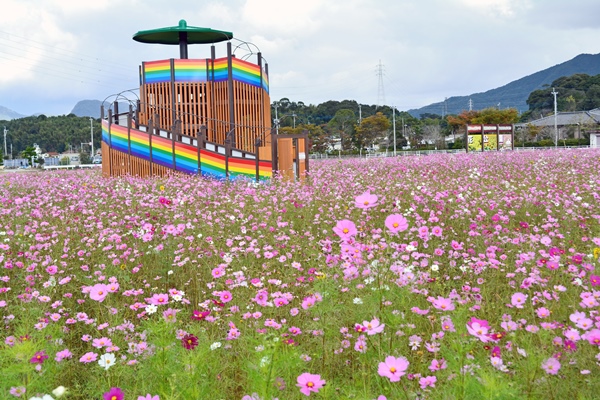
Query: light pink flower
427,381
98,292
393,368
551,366
373,327
396,223
518,299
309,383
479,328
88,357
345,229
365,200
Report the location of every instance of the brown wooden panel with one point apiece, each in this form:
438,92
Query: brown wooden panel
285,155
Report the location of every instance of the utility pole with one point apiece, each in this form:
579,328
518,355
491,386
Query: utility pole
554,92
5,132
92,135
394,125
276,120
359,114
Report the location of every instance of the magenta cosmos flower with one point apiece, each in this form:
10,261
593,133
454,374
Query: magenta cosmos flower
393,368
189,341
345,229
114,394
309,383
396,223
39,357
365,200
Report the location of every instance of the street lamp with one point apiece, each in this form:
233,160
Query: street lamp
554,92
92,136
394,125
5,132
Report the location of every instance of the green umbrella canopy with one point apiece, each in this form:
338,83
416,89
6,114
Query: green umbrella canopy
182,35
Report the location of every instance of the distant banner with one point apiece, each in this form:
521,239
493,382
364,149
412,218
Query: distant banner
489,137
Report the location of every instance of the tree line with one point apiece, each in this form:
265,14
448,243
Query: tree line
352,126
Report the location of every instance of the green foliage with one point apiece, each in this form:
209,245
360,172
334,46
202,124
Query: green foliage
51,133
370,128
575,92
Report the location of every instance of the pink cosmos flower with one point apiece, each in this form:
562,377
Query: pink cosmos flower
437,365
442,303
427,381
518,299
88,357
158,299
148,397
114,394
593,337
542,312
365,200
551,366
170,315
373,327
396,223
98,292
345,229
595,280
309,383
479,328
225,296
393,368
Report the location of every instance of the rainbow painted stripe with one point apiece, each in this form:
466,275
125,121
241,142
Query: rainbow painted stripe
188,70
186,156
162,151
157,71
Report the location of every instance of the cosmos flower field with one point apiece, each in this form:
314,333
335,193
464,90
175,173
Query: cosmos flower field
442,277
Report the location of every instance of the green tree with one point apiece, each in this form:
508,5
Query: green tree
85,158
29,154
342,125
370,129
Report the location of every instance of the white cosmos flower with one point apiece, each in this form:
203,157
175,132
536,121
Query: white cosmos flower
59,391
151,309
107,360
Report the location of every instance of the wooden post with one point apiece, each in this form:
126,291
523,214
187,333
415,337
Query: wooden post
116,114
173,96
230,93
200,142
256,146
497,137
129,132
150,133
173,130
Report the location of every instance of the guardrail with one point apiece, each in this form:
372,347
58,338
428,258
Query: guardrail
81,166
324,156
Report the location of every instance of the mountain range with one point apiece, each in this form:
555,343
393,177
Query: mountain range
513,94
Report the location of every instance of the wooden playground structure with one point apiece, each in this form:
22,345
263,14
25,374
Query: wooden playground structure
199,116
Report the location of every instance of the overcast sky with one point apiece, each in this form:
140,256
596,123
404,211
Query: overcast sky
403,53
